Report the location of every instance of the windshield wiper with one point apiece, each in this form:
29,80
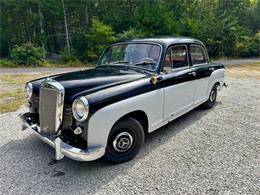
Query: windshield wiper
120,62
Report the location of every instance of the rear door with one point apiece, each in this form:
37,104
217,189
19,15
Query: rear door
178,81
200,63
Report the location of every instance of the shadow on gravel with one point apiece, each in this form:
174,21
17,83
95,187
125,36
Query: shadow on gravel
27,165
171,129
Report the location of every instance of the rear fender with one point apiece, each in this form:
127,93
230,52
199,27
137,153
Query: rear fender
217,76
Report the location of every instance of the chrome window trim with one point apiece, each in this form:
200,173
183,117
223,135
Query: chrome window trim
187,55
205,54
137,42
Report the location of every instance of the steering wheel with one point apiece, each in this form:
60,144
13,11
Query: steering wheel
145,61
149,60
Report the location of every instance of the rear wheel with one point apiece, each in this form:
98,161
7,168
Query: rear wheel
212,97
125,140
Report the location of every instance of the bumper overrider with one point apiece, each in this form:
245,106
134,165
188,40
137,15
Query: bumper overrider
61,148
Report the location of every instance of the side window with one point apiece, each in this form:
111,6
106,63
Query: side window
176,57
168,60
197,55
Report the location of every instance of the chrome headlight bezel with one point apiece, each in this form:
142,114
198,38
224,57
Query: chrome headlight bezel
28,90
83,102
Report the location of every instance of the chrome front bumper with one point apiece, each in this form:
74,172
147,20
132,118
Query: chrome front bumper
61,148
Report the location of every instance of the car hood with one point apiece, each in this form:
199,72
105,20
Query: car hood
88,81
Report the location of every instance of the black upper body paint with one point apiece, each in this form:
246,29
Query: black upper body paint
88,81
105,85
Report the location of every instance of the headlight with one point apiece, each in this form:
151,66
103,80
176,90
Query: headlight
80,109
28,90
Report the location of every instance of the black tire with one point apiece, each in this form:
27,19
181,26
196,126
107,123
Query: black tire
121,132
212,97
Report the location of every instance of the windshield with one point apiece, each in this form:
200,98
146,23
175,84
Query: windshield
142,55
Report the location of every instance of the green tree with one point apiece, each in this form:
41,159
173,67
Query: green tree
99,37
227,27
131,33
28,54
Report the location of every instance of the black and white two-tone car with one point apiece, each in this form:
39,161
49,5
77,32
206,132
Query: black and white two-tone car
137,87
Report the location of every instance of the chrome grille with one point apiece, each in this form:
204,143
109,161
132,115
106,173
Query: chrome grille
51,106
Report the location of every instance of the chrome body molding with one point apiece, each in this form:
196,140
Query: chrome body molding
63,149
51,106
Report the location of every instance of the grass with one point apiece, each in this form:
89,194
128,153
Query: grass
4,63
15,100
244,71
19,78
12,98
253,64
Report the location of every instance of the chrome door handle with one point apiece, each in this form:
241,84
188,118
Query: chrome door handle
193,73
212,69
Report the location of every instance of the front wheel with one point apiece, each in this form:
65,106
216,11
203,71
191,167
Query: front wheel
212,97
125,140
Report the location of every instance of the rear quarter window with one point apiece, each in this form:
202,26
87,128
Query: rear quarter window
198,55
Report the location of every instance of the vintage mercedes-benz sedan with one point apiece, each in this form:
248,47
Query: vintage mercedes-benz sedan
136,88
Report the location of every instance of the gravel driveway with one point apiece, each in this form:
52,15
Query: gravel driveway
203,152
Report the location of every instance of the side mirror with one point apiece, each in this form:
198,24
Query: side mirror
156,79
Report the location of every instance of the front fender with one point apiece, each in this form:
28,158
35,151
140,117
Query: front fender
102,121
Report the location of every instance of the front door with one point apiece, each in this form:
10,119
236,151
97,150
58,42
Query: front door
178,82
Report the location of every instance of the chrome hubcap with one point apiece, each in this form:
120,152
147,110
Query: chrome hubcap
212,96
122,142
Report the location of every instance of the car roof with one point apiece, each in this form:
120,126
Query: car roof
168,40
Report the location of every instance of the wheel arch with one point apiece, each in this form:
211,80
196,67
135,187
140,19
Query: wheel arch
217,83
216,78
213,84
138,115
